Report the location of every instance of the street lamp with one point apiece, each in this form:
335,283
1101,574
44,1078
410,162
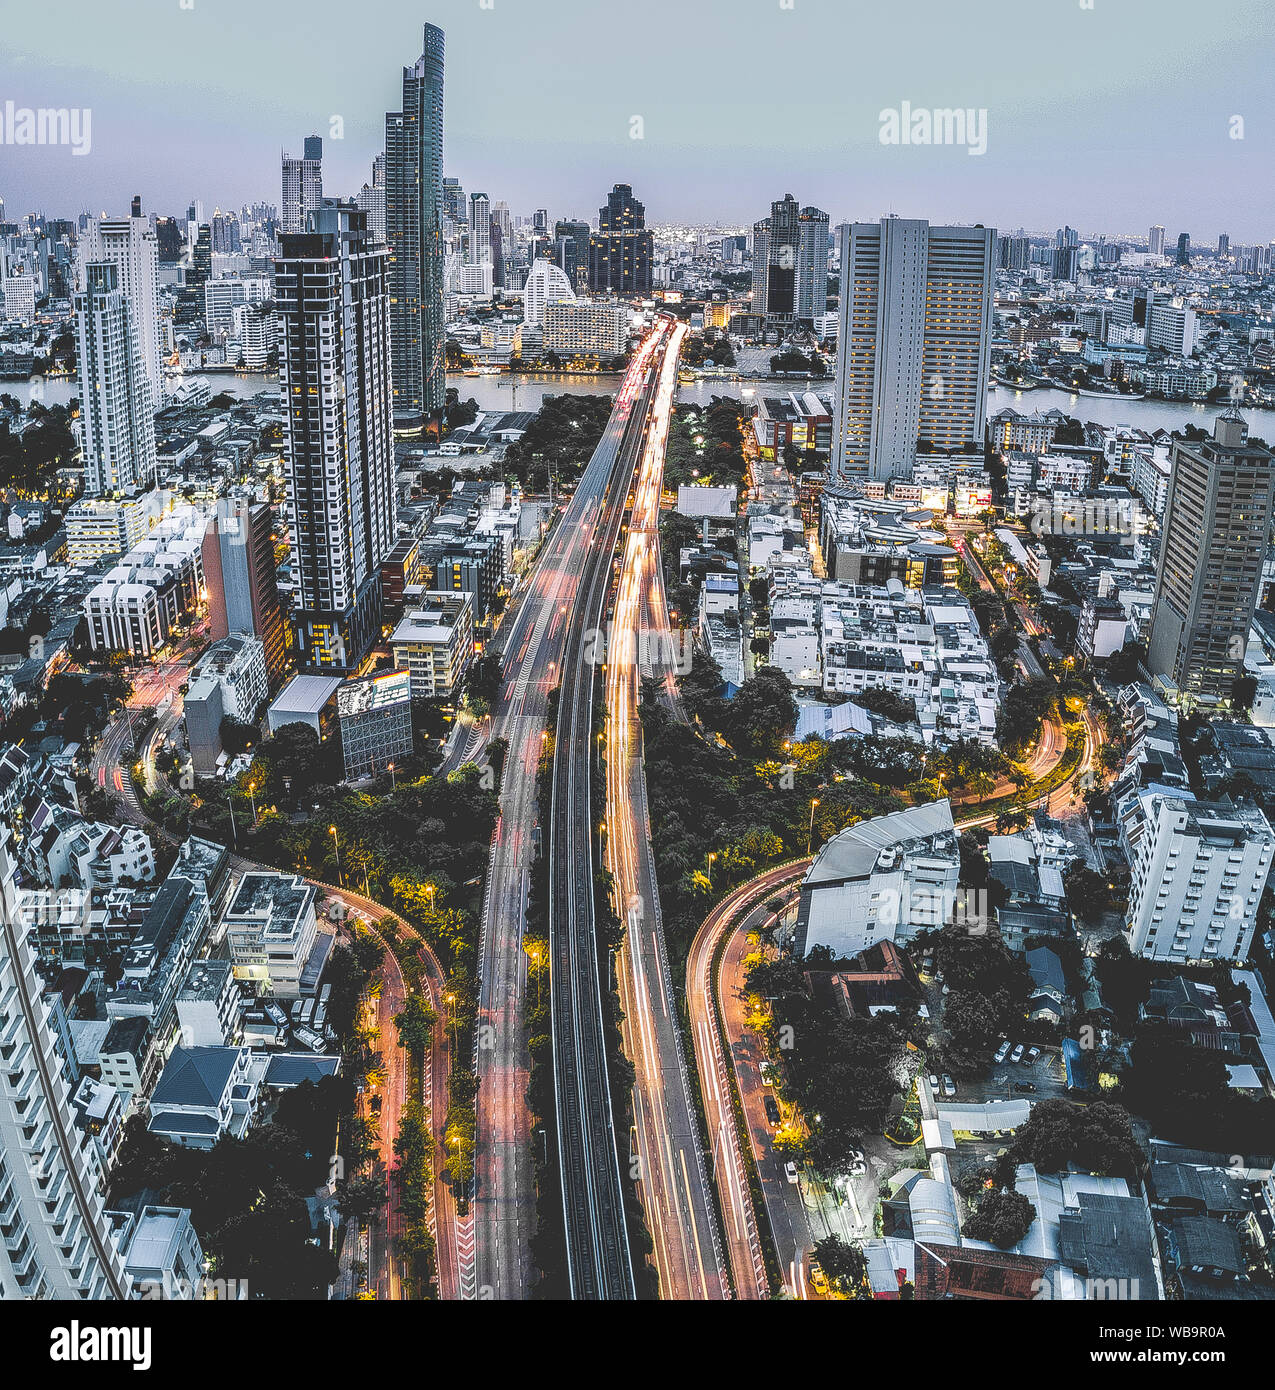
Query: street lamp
393,779
431,889
337,846
252,787
451,1015
810,833
711,857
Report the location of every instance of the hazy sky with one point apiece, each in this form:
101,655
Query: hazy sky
1108,118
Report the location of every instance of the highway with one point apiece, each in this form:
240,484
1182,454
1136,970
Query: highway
495,1261
673,1181
599,1261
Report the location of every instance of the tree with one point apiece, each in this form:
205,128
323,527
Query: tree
1097,1139
1243,692
762,713
1003,1217
415,1023
843,1262
1087,893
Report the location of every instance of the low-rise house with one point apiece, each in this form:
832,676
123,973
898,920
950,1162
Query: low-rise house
203,1094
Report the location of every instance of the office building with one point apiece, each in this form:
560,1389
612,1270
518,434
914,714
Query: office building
1184,248
812,265
372,199
585,328
376,722
621,251
271,930
228,682
56,1242
302,186
240,575
775,245
98,527
131,246
479,230
414,231
1216,526
571,248
118,420
334,379
546,284
1197,871
1155,241
913,347
435,644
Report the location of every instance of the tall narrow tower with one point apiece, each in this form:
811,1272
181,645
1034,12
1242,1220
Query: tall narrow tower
118,411
131,245
414,230
334,378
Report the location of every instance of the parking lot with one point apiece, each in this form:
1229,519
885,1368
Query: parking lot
1047,1074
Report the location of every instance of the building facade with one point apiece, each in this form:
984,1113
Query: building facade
913,351
334,376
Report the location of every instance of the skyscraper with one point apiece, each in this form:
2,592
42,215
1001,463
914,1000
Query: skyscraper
414,231
334,377
775,244
479,230
571,249
812,265
621,250
914,344
455,205
1223,246
372,199
1155,240
118,419
1184,248
130,244
239,573
57,1244
302,186
1216,523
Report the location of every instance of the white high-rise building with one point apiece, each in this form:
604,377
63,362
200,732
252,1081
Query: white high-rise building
372,199
332,304
54,1240
131,245
118,419
1155,241
479,229
546,284
1197,871
914,344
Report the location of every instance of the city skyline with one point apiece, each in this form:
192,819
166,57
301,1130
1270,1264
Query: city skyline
1107,109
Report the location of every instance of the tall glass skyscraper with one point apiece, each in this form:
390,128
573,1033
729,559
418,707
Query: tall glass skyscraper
414,230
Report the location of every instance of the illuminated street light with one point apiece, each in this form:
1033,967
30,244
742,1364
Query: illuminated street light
810,834
337,845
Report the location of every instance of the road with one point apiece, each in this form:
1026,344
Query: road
534,634
673,1181
599,1261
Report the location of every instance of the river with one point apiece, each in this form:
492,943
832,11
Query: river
526,391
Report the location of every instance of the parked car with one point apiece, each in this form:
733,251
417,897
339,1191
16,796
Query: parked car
1026,1086
1032,1054
934,1083
772,1109
1002,1051
1017,1054
790,1171
949,1086
858,1164
817,1277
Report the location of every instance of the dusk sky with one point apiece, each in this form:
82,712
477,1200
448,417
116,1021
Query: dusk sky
1108,118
